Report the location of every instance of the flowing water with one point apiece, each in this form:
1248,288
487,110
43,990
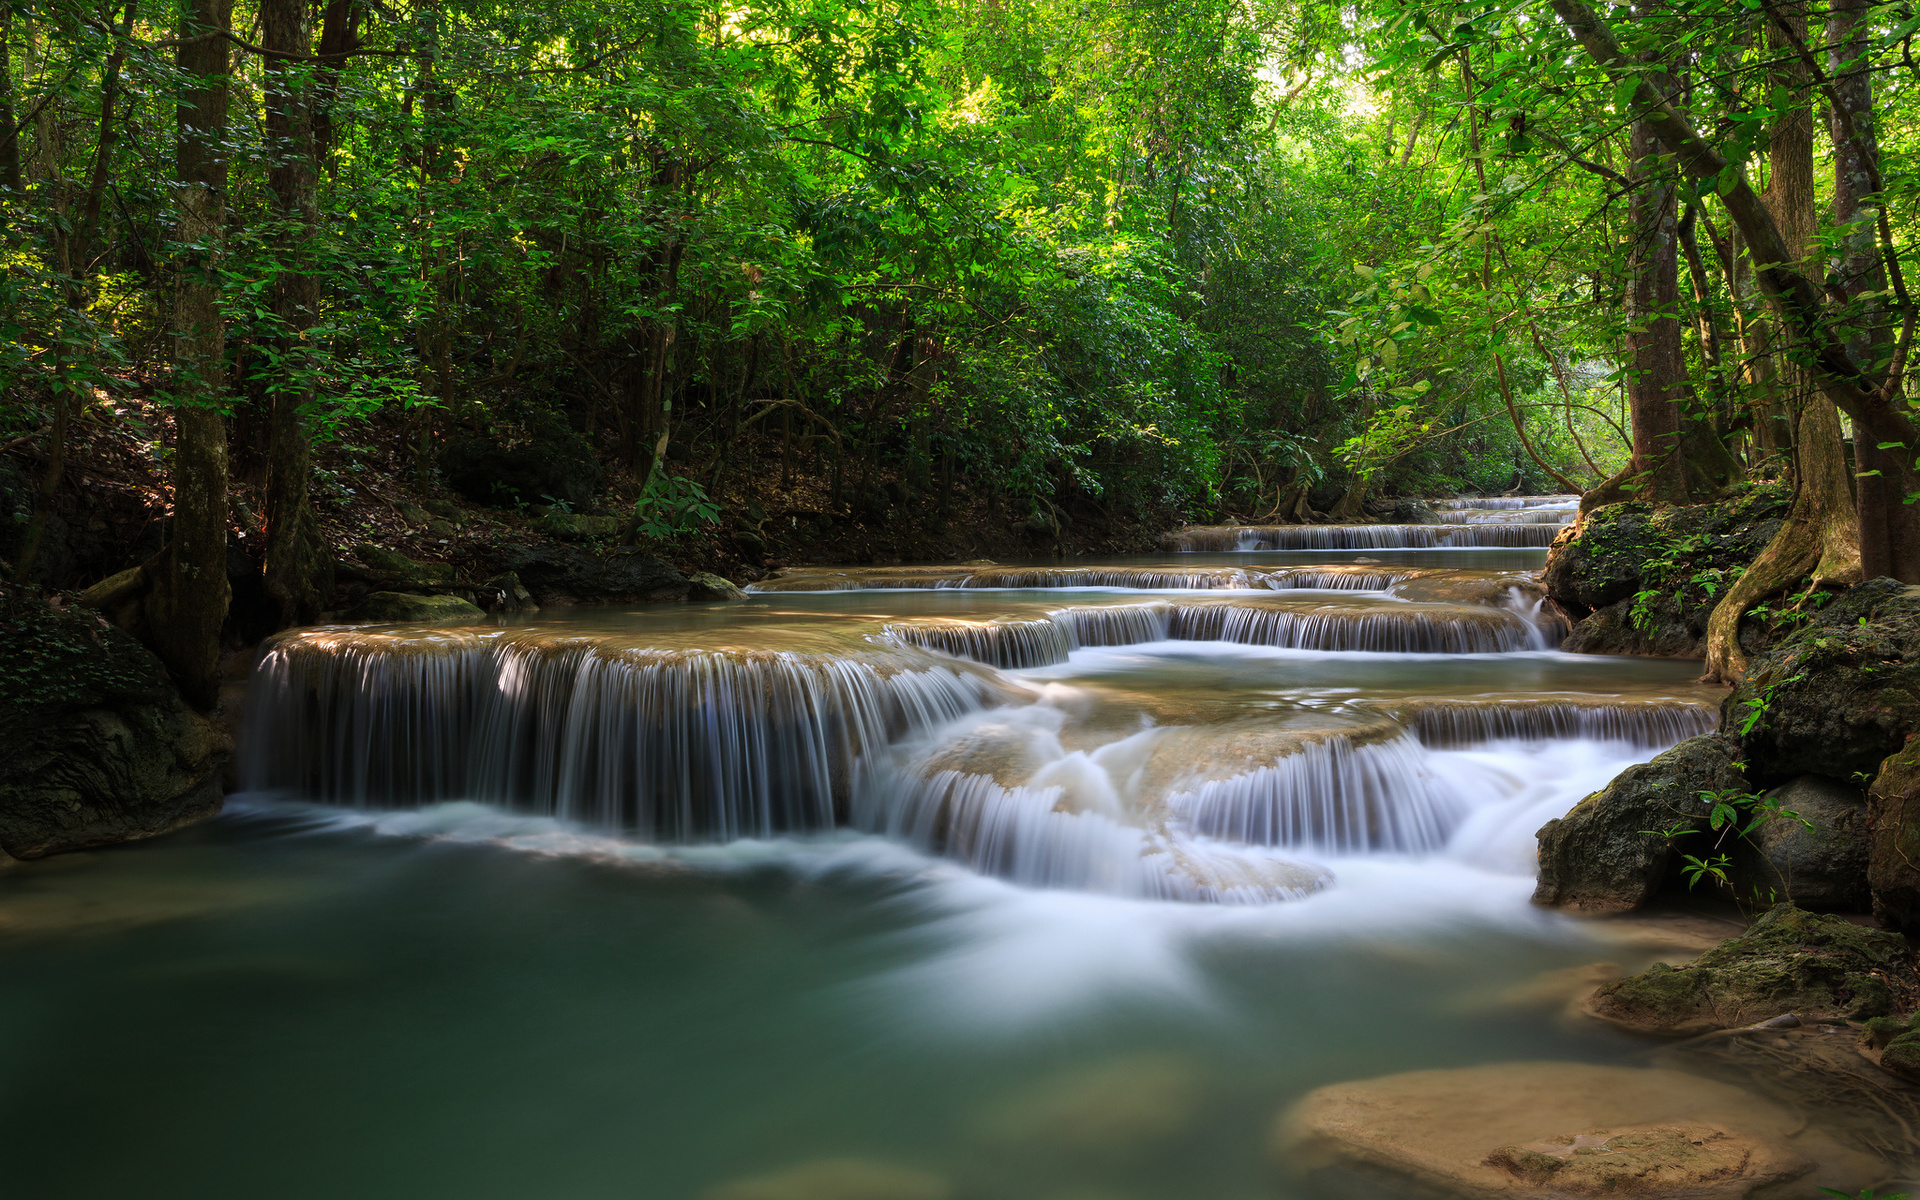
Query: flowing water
1037,881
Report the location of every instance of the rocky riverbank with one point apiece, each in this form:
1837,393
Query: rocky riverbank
1786,1058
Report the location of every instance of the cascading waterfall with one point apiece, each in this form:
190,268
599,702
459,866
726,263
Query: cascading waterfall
675,745
1508,502
898,723
1647,723
1360,537
1333,578
1334,796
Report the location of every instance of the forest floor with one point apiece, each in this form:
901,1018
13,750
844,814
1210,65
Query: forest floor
113,502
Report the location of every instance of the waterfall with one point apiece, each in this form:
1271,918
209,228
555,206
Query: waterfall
1394,629
1333,796
1334,578
675,745
1652,724
1361,537
1505,502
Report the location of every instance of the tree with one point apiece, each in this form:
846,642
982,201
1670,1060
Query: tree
189,593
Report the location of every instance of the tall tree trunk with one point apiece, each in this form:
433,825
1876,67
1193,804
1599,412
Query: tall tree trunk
1889,528
1656,362
188,600
298,570
1819,456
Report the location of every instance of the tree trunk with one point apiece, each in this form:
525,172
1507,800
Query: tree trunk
1657,369
1876,402
188,602
1819,455
298,570
1889,527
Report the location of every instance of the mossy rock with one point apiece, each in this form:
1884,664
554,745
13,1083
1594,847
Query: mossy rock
401,608
1595,574
397,567
1790,961
705,585
99,747
1613,851
577,526
1837,697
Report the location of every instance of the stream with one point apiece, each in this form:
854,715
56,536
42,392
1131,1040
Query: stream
1053,881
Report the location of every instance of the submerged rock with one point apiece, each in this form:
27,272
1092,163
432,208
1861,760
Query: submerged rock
98,745
1125,1109
836,1179
404,608
1613,851
1839,696
1822,867
1893,847
1544,1129
1790,961
569,574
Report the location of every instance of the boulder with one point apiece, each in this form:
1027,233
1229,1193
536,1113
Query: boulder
749,544
1409,511
1612,852
705,585
1838,696
1617,551
1820,866
836,1179
504,593
1893,839
579,526
573,574
1789,961
395,567
1660,628
1547,1129
99,746
404,608
557,464
1893,1043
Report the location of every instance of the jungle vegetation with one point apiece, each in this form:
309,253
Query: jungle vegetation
1214,259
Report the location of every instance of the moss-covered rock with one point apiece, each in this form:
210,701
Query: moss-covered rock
1818,861
1640,580
1790,961
396,568
1839,695
1893,840
402,608
705,585
96,745
1615,849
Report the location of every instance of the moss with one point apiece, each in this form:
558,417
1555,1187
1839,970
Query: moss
55,661
1647,579
1839,695
1790,961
